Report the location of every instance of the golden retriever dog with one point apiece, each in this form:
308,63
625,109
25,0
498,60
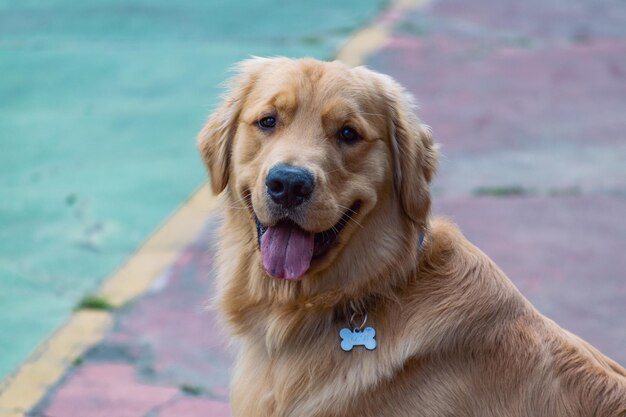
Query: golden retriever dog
345,297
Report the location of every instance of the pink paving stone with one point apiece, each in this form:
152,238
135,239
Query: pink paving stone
106,390
174,328
511,98
195,407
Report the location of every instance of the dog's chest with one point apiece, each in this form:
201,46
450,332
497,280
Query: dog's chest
319,381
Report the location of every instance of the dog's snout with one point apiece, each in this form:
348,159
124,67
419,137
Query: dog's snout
288,185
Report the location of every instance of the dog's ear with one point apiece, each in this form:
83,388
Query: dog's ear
414,152
216,137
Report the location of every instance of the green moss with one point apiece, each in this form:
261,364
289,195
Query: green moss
311,40
519,42
193,390
93,302
500,191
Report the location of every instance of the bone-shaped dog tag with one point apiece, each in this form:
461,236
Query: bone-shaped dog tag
356,337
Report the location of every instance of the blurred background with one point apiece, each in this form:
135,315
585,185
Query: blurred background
100,105
100,102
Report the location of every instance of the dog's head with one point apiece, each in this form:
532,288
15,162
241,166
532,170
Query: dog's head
317,155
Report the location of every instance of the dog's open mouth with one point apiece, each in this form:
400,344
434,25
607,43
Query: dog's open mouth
287,250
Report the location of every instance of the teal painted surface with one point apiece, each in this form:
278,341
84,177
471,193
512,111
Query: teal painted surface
100,102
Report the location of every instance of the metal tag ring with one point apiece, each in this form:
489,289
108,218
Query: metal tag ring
362,324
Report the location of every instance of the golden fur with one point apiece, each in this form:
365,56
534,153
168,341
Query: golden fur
455,337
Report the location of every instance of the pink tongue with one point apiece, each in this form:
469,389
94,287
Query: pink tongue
286,251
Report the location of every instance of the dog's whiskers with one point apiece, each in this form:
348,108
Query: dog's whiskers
244,207
358,224
334,170
348,209
239,205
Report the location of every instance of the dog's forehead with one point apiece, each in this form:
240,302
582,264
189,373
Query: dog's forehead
313,83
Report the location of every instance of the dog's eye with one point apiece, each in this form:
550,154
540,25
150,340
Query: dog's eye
267,122
348,135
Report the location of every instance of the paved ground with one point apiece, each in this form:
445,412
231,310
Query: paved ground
100,103
527,100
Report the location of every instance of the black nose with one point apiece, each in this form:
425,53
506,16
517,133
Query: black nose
288,185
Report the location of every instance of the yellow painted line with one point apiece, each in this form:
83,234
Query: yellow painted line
364,43
20,392
24,389
373,37
31,382
160,250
